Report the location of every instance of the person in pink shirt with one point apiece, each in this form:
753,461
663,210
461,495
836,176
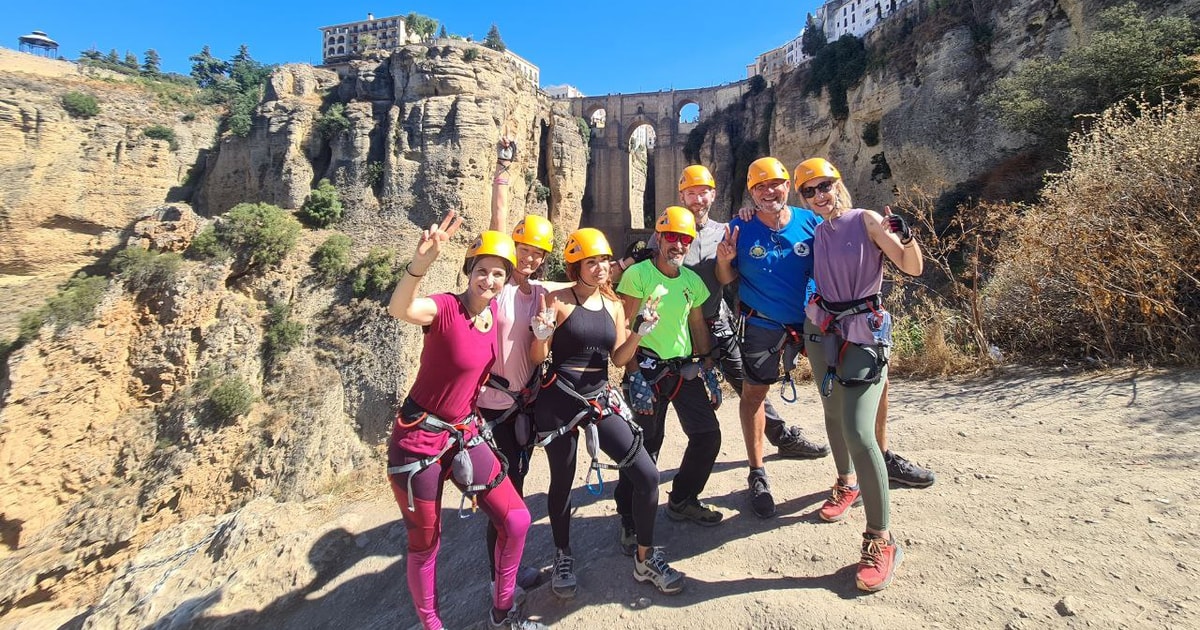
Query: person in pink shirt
436,434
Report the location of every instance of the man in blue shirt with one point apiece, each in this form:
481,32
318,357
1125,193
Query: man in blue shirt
772,256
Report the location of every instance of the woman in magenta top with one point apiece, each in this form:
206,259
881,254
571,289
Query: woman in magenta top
435,435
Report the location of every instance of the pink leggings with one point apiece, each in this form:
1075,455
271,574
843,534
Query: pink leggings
503,506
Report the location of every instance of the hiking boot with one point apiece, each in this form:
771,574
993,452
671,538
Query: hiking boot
656,571
761,500
527,577
563,582
878,563
693,511
628,540
513,621
793,445
906,473
840,500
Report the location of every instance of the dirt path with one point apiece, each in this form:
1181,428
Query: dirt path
1061,501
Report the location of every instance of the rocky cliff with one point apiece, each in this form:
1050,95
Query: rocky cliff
107,431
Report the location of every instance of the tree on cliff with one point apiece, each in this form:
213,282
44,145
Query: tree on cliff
421,25
493,40
151,66
813,39
1130,55
207,70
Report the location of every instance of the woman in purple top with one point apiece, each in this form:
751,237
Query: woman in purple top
436,436
847,338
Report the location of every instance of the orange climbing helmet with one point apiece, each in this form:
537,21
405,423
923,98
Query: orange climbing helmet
676,219
696,175
815,167
535,231
765,169
585,243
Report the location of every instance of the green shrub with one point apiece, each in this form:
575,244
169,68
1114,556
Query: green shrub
75,303
322,207
261,232
207,244
332,258
470,54
372,174
375,275
142,269
838,67
542,191
80,105
333,121
283,333
231,399
162,132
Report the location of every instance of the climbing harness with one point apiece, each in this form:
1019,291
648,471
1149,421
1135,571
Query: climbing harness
834,345
461,467
596,405
791,343
520,412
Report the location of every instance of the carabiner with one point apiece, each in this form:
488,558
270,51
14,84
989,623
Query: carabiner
827,383
463,504
597,488
787,380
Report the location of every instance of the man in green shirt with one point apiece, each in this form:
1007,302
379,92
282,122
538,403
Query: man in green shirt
668,365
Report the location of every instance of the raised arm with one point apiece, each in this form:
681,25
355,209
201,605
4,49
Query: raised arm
726,253
641,325
499,220
893,236
405,303
543,326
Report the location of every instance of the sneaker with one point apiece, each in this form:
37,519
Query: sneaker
562,582
793,445
514,621
693,511
761,500
906,473
527,577
656,571
840,500
878,563
628,540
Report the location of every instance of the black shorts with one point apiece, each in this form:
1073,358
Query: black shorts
762,351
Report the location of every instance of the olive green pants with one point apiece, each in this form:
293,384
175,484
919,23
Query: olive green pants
850,424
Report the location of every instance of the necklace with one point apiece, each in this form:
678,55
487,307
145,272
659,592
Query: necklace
481,320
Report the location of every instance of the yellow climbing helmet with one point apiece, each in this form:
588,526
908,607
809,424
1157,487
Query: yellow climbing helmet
535,231
676,219
696,175
764,169
585,243
815,167
491,243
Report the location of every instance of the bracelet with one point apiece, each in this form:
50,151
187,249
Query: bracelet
621,264
409,271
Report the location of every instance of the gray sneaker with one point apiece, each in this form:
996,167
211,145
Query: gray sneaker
907,473
693,511
563,582
514,621
628,540
656,571
761,500
793,445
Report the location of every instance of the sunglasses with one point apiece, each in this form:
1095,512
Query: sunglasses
808,192
676,237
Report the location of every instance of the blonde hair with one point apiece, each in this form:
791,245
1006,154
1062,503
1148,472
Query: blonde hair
841,198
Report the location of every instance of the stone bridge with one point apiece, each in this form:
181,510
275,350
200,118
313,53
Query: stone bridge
622,191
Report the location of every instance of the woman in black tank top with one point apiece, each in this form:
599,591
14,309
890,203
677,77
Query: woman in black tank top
583,328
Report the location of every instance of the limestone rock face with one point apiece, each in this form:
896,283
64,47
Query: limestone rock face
69,186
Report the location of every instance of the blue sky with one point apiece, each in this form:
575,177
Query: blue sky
597,47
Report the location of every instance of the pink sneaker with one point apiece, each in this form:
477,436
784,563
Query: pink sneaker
878,563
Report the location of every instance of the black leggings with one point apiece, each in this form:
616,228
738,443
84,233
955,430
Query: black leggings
505,437
616,439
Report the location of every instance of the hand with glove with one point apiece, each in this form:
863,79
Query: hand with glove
647,318
544,323
896,224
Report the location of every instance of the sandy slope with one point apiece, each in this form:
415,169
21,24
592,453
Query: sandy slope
1062,501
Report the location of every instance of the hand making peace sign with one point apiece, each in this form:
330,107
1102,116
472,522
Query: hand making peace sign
437,235
727,248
